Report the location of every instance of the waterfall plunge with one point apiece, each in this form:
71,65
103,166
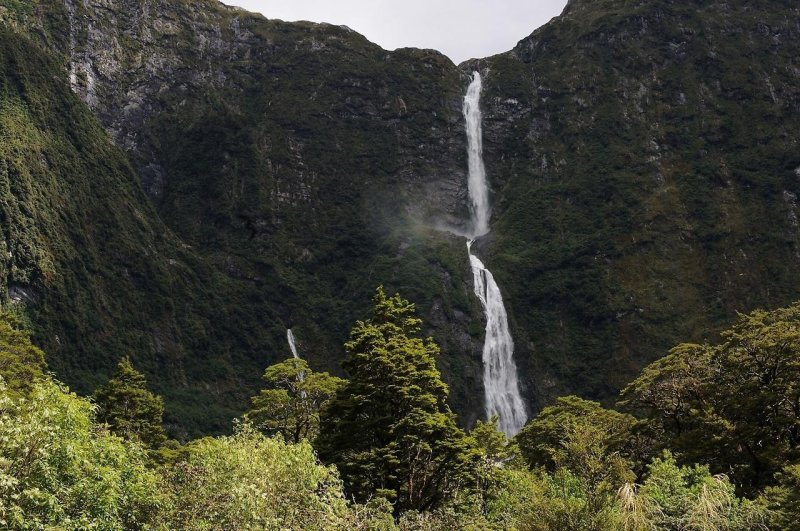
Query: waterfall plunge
478,190
499,370
293,347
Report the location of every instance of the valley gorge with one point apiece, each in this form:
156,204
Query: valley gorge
184,182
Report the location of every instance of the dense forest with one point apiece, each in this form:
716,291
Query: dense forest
705,438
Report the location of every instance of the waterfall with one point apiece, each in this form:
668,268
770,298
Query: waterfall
499,370
478,191
500,380
292,345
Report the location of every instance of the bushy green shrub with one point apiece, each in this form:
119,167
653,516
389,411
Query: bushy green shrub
686,498
250,481
59,471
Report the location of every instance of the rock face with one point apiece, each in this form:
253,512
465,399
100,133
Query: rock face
646,158
643,161
84,252
306,164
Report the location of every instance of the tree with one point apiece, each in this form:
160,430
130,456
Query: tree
60,470
249,481
782,501
494,453
736,405
673,393
21,363
129,408
292,404
389,429
492,443
592,442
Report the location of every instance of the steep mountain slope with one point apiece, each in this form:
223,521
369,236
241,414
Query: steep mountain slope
290,157
643,157
305,162
84,252
649,168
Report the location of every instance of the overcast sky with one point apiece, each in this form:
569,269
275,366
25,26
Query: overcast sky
461,29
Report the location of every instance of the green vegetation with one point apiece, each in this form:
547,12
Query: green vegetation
577,435
732,405
392,458
389,429
21,362
16,11
60,470
249,481
291,406
674,497
85,258
782,501
129,409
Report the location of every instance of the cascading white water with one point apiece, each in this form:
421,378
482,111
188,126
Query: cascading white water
499,370
500,379
478,190
292,345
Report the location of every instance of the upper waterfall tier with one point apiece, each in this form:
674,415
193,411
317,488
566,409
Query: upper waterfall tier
478,189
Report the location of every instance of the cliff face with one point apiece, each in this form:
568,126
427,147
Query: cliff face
305,163
647,159
643,158
84,252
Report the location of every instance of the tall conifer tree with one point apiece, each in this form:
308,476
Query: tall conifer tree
129,408
389,430
21,362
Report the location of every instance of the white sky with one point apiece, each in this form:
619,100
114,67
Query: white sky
461,29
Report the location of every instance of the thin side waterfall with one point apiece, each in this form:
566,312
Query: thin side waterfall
292,345
500,379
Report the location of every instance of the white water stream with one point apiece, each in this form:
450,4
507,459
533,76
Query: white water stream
500,379
292,345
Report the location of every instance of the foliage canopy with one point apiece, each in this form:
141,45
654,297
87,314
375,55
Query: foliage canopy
291,405
389,429
732,405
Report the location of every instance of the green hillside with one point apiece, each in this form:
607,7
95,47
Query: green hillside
86,255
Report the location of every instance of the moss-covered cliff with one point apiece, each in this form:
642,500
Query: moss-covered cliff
84,252
647,170
303,163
